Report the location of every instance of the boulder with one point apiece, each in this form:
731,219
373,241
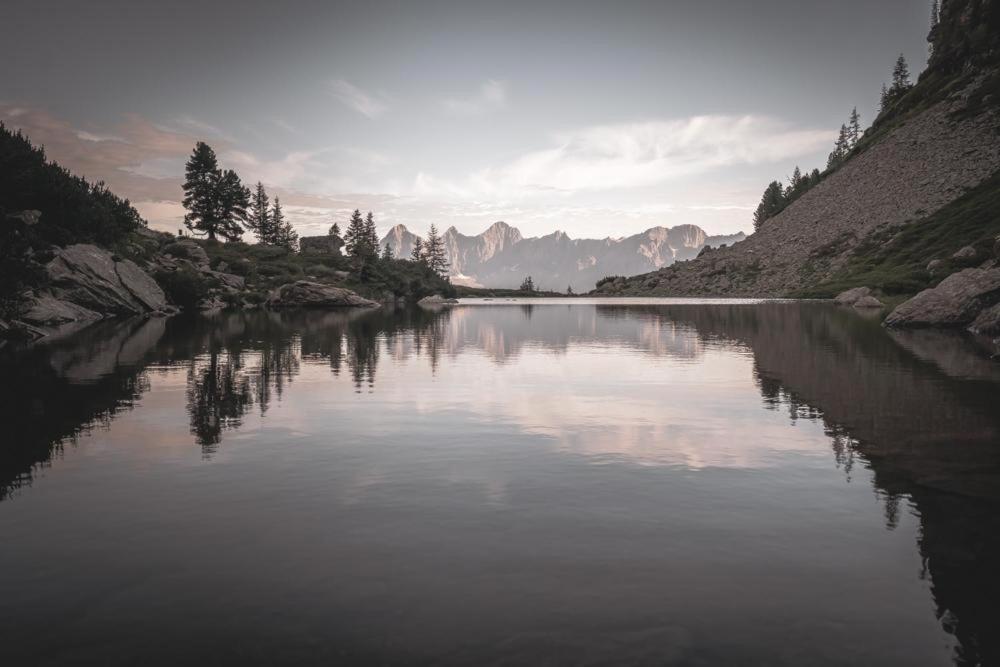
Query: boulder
987,323
436,300
851,296
320,245
89,276
306,294
868,302
192,252
935,266
44,309
955,302
965,255
27,217
229,281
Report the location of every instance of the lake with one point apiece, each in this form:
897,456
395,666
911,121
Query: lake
503,482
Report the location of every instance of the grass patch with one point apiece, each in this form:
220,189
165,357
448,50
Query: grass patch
894,261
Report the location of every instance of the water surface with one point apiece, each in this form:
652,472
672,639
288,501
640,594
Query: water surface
543,482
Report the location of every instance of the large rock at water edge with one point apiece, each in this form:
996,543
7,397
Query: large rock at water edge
90,277
987,323
956,302
436,300
851,296
306,294
868,302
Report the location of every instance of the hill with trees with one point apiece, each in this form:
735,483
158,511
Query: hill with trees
899,205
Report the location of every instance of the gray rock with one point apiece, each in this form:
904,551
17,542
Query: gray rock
44,309
987,323
89,276
965,254
851,296
26,217
320,245
935,266
306,294
436,300
868,302
996,246
229,281
194,253
955,302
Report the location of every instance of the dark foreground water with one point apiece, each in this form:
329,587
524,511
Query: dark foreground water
500,483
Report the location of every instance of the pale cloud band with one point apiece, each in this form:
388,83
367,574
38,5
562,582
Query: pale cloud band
365,103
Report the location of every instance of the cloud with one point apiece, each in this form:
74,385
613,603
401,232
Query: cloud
492,95
633,155
364,103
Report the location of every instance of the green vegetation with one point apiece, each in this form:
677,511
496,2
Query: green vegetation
461,291
894,261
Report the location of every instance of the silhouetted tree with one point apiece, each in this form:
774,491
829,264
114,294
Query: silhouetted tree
900,79
854,128
259,219
434,251
840,149
354,237
334,230
371,235
770,204
417,254
285,234
527,285
216,201
386,252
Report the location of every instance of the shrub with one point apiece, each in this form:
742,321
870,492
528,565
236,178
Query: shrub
184,288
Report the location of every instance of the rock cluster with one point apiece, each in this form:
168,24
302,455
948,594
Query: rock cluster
307,294
968,298
87,283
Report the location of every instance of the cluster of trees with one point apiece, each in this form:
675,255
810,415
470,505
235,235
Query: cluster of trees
361,242
431,251
361,238
527,285
219,205
850,135
777,197
901,84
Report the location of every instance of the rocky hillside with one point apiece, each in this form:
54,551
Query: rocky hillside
500,257
933,153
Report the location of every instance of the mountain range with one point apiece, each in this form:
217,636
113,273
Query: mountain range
501,257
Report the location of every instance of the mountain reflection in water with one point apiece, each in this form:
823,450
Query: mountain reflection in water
659,386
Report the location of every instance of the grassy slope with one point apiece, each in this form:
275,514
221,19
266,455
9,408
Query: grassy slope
895,261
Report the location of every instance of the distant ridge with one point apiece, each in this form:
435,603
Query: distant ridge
501,257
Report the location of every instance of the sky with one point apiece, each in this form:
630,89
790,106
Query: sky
594,118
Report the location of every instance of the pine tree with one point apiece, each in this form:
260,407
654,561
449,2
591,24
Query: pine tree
386,252
371,235
854,128
814,177
883,100
434,251
284,234
794,182
233,202
840,149
201,178
771,203
900,78
354,237
216,201
417,254
334,230
527,285
259,220
569,290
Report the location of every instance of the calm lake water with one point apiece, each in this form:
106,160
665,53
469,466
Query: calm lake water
547,482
